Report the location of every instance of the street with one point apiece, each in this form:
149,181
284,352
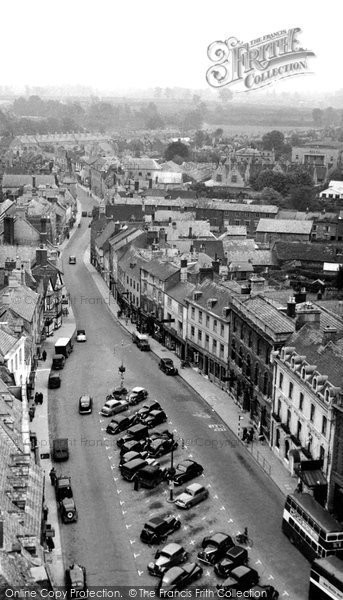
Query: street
111,514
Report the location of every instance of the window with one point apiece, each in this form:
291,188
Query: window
130,281
257,374
192,331
16,361
321,453
207,321
279,408
207,340
312,412
250,339
324,425
280,380
137,287
199,335
301,401
290,391
20,356
169,302
200,316
240,358
193,313
298,430
222,330
214,324
221,351
233,350
267,355
233,178
288,422
242,332
180,326
277,438
234,325
214,346
127,279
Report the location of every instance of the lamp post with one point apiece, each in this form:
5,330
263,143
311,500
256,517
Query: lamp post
122,369
171,472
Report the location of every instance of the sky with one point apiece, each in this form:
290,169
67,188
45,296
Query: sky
112,45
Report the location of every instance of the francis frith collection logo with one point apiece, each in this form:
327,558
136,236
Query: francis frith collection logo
253,65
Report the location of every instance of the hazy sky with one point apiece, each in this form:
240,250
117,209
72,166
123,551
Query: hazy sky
109,44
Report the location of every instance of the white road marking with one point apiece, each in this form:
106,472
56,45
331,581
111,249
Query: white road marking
203,518
132,542
230,521
185,527
270,577
285,593
222,508
258,562
114,467
190,455
122,502
215,497
124,512
128,526
192,542
115,478
218,427
140,573
136,556
207,573
118,491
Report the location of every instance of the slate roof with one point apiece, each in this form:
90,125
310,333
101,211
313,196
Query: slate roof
210,247
264,310
143,163
210,290
15,181
284,226
162,270
7,341
179,291
238,207
106,234
305,251
23,301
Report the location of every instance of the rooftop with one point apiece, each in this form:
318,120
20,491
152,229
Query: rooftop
284,226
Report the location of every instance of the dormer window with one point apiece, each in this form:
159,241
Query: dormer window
314,383
303,373
327,395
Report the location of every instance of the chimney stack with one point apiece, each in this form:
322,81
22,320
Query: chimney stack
33,181
43,224
190,232
41,256
183,270
9,230
329,335
308,314
291,304
300,296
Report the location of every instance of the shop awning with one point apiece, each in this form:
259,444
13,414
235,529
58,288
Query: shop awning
313,478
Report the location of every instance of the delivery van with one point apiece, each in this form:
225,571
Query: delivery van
141,340
64,346
58,362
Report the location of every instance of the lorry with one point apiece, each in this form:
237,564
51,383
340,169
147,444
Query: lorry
60,450
64,346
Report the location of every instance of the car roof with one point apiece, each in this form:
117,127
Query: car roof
76,573
218,537
186,462
155,521
135,462
85,397
240,571
194,487
68,503
112,402
172,574
81,331
171,548
137,389
235,551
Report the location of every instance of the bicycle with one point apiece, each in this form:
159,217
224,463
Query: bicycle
243,538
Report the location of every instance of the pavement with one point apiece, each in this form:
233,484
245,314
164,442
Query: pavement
220,401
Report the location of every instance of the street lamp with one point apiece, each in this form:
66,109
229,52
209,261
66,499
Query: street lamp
171,472
122,369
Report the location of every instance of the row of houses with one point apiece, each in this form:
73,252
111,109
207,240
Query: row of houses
235,334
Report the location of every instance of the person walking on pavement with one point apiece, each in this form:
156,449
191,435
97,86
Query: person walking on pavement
40,397
44,355
50,544
36,398
45,512
53,476
32,411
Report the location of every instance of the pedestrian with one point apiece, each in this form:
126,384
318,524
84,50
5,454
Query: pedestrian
32,412
299,488
245,434
40,397
44,355
50,544
251,434
36,398
53,476
45,512
136,484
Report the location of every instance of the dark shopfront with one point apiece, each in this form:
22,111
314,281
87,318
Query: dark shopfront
175,343
250,398
213,367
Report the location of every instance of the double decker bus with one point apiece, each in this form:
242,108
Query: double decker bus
326,579
311,528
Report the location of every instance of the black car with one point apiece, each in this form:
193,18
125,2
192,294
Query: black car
119,392
146,409
214,547
63,488
160,446
155,417
54,380
172,554
120,423
235,557
177,578
241,579
167,366
186,470
157,529
264,591
133,446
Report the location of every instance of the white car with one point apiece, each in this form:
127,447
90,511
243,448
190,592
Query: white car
136,395
192,495
81,335
113,407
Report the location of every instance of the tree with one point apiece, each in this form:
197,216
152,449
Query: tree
270,196
199,138
339,278
273,140
302,197
176,149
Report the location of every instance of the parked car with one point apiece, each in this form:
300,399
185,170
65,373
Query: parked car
192,495
81,335
133,446
157,529
129,469
72,260
214,547
120,423
132,455
137,432
75,580
113,407
85,404
160,435
234,557
167,366
68,510
170,555
54,380
63,488
136,395
264,591
159,446
119,392
146,409
150,476
186,470
177,578
241,579
154,418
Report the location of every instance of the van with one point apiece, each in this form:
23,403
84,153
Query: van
137,432
54,380
64,346
129,469
141,340
60,450
58,361
150,476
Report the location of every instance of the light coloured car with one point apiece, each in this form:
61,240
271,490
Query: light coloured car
192,495
85,404
137,394
113,407
81,335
